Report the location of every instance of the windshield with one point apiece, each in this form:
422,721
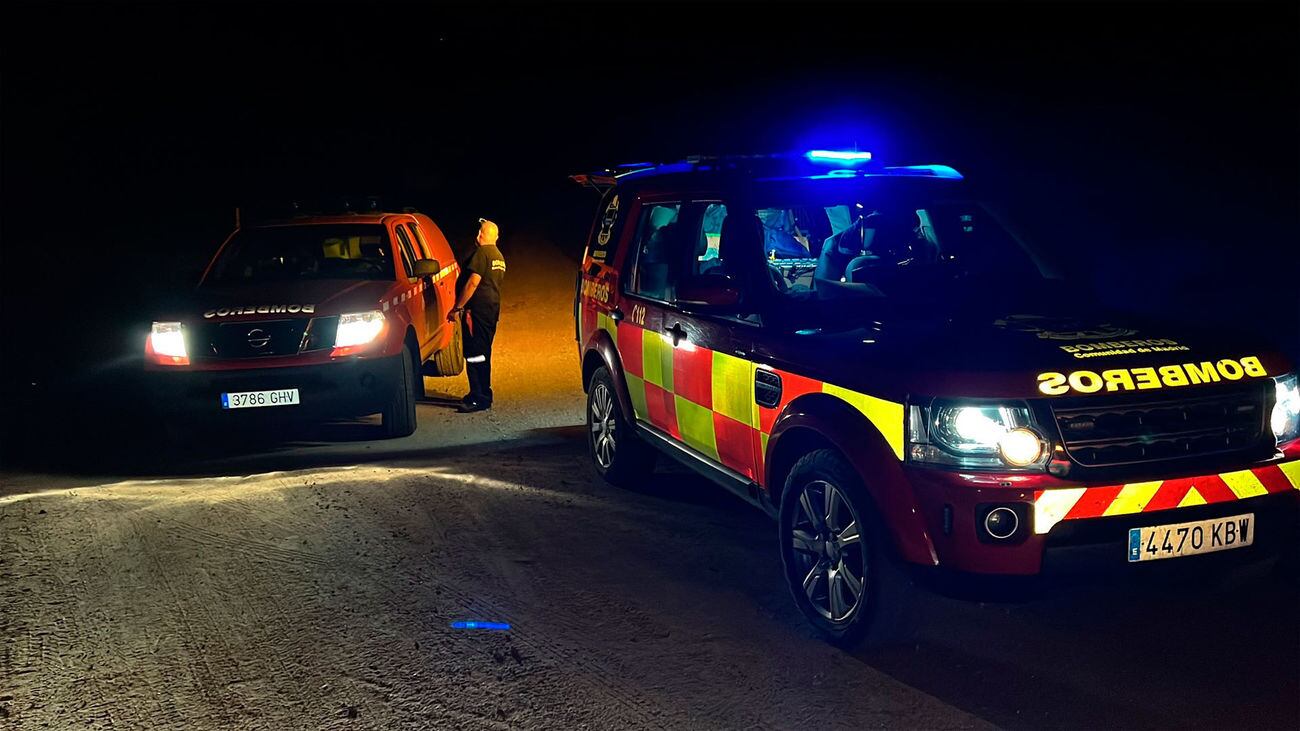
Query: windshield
294,253
894,240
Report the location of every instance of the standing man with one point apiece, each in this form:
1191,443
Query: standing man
479,306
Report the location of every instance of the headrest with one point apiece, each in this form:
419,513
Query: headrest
738,232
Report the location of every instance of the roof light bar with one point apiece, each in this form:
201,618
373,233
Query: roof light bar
838,156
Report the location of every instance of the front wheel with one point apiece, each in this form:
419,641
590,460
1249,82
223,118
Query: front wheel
836,556
398,416
617,453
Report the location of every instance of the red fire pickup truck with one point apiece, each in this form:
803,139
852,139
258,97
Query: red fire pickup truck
315,316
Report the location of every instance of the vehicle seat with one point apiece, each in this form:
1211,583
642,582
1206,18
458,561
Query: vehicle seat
838,250
741,240
652,269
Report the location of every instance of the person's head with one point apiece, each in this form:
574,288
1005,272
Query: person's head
487,232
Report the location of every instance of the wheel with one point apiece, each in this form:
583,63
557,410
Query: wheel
449,361
398,417
836,556
617,453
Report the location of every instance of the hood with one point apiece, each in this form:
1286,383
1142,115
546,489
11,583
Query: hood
1022,355
271,300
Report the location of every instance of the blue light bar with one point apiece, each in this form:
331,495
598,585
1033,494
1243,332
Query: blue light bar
474,624
938,171
838,156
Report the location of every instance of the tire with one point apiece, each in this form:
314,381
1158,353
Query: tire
822,573
398,417
450,361
617,453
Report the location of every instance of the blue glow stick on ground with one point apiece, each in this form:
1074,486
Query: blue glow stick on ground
474,624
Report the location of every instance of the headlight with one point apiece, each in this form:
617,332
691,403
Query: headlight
990,436
166,344
1286,412
357,329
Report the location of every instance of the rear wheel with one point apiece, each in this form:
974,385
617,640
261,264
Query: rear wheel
837,559
449,361
617,453
398,417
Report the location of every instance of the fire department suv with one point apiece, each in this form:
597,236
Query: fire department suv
863,351
314,316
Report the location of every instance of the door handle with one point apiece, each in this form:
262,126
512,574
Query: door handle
677,333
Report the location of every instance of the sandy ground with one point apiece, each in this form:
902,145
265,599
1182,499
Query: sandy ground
309,582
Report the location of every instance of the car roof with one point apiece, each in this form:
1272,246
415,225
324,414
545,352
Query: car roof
369,218
725,171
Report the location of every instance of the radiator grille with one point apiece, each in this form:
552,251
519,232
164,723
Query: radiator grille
1126,430
259,339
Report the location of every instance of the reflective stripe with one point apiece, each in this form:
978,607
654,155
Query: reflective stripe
1133,498
1244,484
709,405
1052,505
733,388
887,416
476,359
1075,503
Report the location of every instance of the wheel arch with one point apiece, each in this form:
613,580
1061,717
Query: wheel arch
601,351
823,421
413,342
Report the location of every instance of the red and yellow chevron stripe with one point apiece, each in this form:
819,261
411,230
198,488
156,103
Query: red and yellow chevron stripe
1077,503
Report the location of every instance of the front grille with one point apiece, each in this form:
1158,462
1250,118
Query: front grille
260,339
1109,431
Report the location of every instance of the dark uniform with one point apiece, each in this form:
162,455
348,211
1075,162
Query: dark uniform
480,318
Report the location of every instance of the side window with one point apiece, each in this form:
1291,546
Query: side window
656,238
404,246
422,250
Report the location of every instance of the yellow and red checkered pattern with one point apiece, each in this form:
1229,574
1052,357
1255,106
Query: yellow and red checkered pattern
1077,503
705,398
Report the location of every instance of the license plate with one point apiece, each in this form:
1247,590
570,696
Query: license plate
1187,539
257,399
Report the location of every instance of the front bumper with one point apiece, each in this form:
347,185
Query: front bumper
1068,527
345,388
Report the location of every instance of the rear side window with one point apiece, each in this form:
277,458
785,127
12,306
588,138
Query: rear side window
657,237
422,250
404,245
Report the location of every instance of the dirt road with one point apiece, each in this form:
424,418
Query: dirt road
311,583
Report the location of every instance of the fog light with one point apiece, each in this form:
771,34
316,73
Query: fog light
1020,447
1001,523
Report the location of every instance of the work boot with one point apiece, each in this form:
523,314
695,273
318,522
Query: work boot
471,405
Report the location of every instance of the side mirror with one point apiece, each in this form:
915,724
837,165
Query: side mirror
427,267
709,292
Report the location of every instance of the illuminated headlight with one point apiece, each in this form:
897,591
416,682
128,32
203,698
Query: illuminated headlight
1286,412
167,344
988,436
358,328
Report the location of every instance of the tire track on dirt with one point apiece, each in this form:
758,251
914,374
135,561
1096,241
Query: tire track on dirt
250,546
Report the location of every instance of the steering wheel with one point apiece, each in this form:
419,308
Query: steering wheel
778,278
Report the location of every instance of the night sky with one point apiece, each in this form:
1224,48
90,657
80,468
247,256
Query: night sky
1152,150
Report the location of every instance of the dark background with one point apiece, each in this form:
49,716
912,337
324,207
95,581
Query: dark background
1152,149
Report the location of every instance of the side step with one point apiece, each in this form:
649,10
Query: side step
733,482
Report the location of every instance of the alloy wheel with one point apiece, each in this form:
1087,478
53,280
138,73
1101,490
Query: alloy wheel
827,543
602,424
